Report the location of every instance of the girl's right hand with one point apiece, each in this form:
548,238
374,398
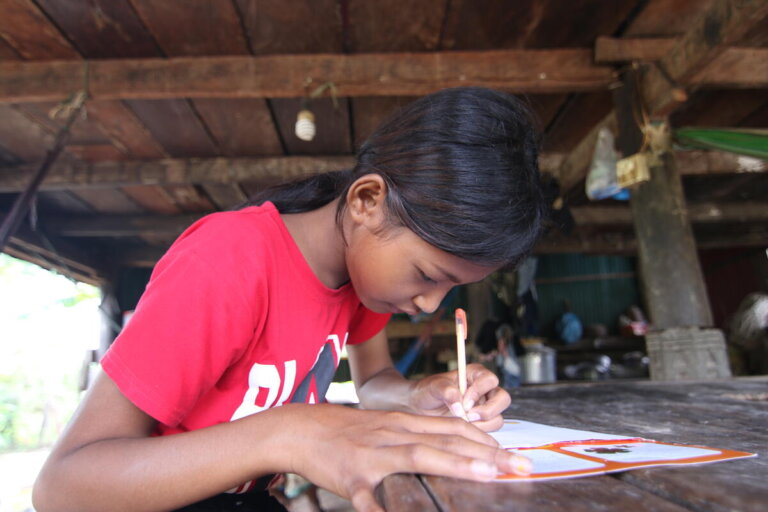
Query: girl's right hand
349,451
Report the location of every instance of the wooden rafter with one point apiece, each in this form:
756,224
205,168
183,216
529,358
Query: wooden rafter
698,213
175,172
722,25
226,171
705,53
585,216
286,76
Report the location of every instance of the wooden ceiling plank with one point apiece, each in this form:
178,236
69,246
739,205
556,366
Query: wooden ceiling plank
395,26
84,131
613,49
489,24
241,127
581,113
96,152
7,52
736,67
193,27
102,29
25,28
225,196
124,129
287,76
546,107
152,198
724,23
369,112
175,126
280,27
665,18
174,172
721,108
189,199
22,137
107,201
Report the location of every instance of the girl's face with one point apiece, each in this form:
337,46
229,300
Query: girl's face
395,271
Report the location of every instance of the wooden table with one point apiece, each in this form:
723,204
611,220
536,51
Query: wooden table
722,414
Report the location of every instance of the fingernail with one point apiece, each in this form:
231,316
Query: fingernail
468,404
458,410
483,468
473,416
520,465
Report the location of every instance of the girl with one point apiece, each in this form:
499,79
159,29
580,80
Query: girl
206,390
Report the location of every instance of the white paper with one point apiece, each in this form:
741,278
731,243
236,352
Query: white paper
525,434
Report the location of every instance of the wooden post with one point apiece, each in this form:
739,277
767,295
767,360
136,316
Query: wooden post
671,280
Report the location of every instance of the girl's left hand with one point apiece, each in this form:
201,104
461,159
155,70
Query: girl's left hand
483,403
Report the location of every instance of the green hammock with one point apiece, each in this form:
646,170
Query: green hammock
741,141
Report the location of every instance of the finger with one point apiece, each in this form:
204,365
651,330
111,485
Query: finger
496,402
506,461
482,381
363,500
515,463
412,423
425,459
490,425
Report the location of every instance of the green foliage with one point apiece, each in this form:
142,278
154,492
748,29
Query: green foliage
46,322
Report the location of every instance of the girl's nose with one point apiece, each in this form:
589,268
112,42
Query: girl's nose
430,301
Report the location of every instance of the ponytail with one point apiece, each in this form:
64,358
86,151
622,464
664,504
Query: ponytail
304,195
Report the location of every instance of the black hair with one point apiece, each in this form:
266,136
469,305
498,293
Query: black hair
461,171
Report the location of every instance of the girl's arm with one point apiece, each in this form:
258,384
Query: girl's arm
380,386
105,461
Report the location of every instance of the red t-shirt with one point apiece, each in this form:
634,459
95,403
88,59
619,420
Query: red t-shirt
233,322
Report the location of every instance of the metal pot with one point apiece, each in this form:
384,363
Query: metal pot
538,366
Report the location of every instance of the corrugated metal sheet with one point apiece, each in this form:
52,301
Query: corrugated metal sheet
598,289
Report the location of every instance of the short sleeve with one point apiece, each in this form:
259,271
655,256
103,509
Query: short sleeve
196,317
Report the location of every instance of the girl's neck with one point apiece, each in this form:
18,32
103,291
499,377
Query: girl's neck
321,243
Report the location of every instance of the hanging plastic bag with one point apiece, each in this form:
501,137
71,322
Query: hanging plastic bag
601,180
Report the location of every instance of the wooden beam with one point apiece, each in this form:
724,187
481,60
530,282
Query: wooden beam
197,171
626,243
724,23
290,76
698,213
56,254
736,68
585,216
119,225
613,49
175,172
717,162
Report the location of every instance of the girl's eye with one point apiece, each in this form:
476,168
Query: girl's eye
426,278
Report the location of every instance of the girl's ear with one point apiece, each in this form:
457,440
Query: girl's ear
366,200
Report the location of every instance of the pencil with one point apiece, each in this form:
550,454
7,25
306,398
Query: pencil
461,356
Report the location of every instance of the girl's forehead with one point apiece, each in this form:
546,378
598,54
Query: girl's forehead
448,266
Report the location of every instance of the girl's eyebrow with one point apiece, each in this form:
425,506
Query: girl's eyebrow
447,274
